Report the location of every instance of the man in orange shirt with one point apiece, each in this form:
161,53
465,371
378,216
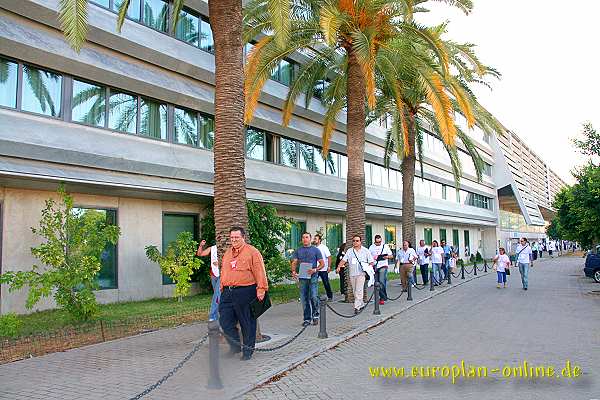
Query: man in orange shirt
243,279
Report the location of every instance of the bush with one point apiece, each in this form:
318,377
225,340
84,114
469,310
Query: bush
278,268
70,256
478,257
10,325
179,262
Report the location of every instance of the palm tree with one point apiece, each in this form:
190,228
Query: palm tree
431,97
346,42
226,24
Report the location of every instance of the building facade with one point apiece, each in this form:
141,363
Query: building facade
127,125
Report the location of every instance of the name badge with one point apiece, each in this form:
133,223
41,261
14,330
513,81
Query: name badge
233,264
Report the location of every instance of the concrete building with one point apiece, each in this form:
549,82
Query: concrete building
127,125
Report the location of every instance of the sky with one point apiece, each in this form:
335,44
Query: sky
549,57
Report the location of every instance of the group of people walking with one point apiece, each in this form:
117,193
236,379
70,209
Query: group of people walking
241,278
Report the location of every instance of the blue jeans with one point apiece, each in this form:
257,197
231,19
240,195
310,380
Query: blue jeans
524,270
501,276
382,276
309,297
437,273
214,304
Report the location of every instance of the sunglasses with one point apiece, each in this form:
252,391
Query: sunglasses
356,240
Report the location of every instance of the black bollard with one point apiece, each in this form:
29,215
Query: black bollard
475,268
431,289
449,276
376,310
409,291
214,374
462,271
484,265
323,318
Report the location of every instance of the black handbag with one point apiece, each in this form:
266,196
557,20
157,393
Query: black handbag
258,307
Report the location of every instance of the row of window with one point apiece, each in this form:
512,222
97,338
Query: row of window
28,88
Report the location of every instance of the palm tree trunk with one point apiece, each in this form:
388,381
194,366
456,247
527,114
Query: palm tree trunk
229,179
355,145
229,153
408,179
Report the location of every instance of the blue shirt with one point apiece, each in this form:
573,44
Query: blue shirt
310,255
447,249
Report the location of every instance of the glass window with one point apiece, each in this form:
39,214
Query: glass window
332,164
103,3
122,113
155,14
393,179
368,239
186,127
173,225
206,38
255,144
319,161
307,157
8,83
436,190
428,235
293,238
442,235
42,91
444,192
343,166
288,152
284,73
376,172
107,276
389,234
367,168
207,132
333,237
153,119
385,180
88,103
187,28
133,11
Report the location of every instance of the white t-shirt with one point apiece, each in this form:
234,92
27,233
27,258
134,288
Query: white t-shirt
408,256
503,262
421,253
437,254
214,261
325,253
452,262
381,249
524,253
551,246
358,259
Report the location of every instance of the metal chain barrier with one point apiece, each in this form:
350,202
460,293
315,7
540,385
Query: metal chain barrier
173,371
353,315
467,272
397,297
278,347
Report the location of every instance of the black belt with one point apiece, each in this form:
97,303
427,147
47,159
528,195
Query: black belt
238,287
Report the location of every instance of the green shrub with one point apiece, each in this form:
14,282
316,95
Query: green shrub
10,325
278,268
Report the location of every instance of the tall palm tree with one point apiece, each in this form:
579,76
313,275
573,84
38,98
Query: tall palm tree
347,43
226,24
430,98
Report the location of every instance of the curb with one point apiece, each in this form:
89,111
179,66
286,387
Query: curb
341,339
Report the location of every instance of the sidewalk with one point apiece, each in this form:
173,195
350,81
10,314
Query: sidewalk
123,368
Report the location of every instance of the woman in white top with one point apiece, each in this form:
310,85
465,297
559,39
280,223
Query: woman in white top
501,264
437,259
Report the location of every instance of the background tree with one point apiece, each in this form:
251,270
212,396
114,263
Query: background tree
71,255
590,145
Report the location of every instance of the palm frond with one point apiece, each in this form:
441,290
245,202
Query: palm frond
478,162
279,11
122,14
176,8
72,16
441,104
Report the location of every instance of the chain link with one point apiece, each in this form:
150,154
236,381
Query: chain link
280,346
353,315
173,371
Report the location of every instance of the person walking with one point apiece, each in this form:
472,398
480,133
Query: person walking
243,280
437,260
214,277
359,258
446,264
309,260
405,259
541,249
343,271
534,249
524,260
423,253
381,253
501,264
324,272
551,248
